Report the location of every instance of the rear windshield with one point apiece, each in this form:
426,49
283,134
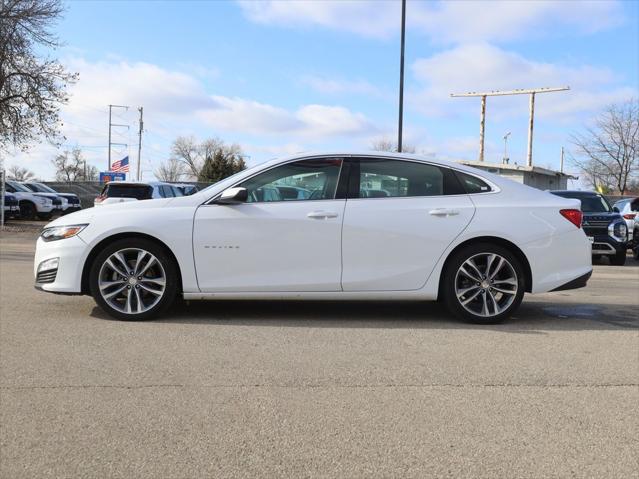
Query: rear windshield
140,192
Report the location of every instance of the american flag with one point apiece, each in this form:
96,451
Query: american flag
121,166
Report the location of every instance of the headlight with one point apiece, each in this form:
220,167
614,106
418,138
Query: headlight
61,232
42,200
619,230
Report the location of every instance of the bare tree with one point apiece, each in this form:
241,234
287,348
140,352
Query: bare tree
212,155
186,150
32,88
608,152
19,173
171,170
384,144
70,165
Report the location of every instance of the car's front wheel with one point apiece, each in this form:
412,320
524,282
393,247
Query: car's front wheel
619,258
133,279
27,210
483,283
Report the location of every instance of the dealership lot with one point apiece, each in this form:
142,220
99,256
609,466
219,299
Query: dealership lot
318,389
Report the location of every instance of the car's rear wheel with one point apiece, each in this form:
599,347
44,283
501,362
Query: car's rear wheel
134,279
483,283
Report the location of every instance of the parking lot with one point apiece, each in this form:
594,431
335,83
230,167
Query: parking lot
318,389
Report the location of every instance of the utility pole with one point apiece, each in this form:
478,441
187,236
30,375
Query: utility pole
506,159
141,110
524,91
561,161
482,127
531,116
111,125
401,80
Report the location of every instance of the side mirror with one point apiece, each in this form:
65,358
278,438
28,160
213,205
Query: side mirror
616,210
233,196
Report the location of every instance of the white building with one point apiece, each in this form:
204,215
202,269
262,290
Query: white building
535,176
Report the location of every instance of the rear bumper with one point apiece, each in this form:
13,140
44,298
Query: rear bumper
576,283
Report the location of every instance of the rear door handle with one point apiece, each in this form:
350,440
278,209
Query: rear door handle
321,215
443,212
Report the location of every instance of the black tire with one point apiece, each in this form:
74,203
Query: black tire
618,259
168,266
477,252
45,216
28,210
635,253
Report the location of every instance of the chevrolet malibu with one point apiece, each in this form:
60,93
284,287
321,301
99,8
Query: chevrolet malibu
373,226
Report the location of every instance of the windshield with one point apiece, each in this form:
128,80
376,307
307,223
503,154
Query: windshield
41,188
19,187
595,204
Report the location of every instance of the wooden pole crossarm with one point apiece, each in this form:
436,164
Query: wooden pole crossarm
522,91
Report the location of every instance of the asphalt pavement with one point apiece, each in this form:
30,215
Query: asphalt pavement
298,389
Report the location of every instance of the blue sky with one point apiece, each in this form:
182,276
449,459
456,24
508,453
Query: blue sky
281,77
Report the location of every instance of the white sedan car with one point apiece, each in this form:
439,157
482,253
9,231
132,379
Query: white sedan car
375,226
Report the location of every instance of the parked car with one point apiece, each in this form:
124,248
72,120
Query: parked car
475,240
32,205
629,208
187,189
73,201
60,204
605,227
124,191
11,206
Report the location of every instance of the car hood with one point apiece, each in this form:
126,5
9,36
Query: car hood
93,214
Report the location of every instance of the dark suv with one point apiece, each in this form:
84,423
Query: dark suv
603,225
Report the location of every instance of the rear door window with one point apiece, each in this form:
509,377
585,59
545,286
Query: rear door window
390,178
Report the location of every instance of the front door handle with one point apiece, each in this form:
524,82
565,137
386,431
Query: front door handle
321,215
443,212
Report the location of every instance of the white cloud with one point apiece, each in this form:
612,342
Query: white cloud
365,18
311,121
495,20
175,103
443,21
480,67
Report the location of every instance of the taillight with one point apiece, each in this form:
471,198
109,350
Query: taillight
630,216
574,216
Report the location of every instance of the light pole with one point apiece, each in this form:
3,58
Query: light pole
506,159
401,80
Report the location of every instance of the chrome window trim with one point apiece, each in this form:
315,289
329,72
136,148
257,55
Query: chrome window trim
494,188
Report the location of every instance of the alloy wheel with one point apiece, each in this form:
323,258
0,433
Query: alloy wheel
132,281
486,284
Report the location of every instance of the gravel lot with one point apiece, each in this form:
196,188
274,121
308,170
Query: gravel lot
318,389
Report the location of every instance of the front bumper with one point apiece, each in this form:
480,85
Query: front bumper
72,253
605,245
